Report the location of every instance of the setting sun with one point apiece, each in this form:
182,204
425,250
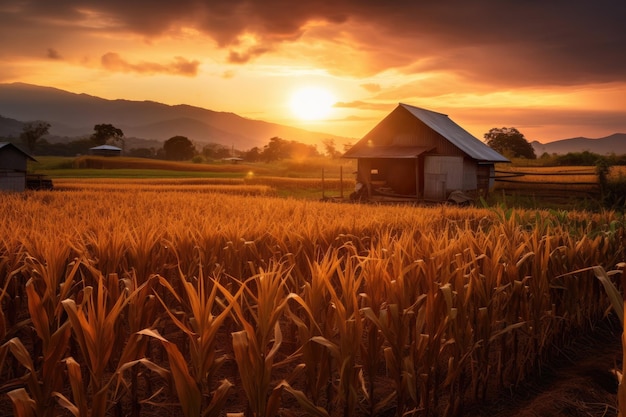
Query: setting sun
312,103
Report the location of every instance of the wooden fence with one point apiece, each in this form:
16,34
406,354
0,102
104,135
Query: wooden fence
549,182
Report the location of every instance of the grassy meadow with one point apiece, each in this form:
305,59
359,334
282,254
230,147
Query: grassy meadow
183,297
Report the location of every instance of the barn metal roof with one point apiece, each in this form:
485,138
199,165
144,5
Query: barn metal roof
394,152
454,133
106,148
10,145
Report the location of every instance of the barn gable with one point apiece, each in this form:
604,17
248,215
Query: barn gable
413,127
13,162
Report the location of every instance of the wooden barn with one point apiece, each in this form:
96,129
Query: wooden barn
13,163
421,154
105,150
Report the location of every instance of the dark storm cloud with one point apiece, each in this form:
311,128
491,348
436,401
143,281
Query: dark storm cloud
490,41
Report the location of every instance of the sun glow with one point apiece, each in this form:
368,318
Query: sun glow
312,103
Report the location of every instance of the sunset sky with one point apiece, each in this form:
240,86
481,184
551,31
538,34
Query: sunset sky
552,69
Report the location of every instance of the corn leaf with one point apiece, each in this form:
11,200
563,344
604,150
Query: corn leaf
23,405
188,392
309,408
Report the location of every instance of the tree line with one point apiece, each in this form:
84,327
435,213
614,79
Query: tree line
175,148
508,141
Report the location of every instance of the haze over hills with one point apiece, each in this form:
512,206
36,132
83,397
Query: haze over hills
75,115
615,143
149,123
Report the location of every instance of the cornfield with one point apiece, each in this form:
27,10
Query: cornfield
144,302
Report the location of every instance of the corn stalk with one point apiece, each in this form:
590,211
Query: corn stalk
345,346
257,345
94,322
204,317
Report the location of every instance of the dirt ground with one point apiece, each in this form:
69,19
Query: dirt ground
580,384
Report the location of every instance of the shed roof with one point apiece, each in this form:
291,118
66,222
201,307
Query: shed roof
394,151
439,123
454,133
105,148
8,145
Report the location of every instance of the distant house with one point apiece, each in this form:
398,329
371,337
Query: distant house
105,150
418,153
13,163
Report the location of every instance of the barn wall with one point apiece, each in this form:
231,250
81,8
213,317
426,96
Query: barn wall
442,174
470,175
485,178
12,181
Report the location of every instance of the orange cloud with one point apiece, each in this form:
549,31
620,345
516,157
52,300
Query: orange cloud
501,42
371,87
363,105
53,54
180,66
235,57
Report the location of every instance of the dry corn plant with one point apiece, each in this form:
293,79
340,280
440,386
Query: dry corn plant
203,317
141,313
259,311
345,344
114,186
393,319
95,320
12,281
316,319
479,273
617,300
390,301
44,373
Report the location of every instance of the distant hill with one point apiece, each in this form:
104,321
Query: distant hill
615,143
74,115
10,127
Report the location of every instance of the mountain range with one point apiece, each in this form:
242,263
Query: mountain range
615,143
75,115
149,124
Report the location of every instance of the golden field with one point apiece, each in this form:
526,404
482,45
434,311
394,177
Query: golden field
140,300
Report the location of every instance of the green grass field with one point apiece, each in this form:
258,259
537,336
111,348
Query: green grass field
122,167
134,173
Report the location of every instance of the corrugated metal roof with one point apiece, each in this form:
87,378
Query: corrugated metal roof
9,144
386,152
454,133
105,148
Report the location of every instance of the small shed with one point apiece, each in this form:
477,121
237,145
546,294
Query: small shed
422,154
105,150
13,163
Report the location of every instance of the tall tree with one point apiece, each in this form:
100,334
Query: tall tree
510,142
105,132
32,132
277,148
331,148
179,148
